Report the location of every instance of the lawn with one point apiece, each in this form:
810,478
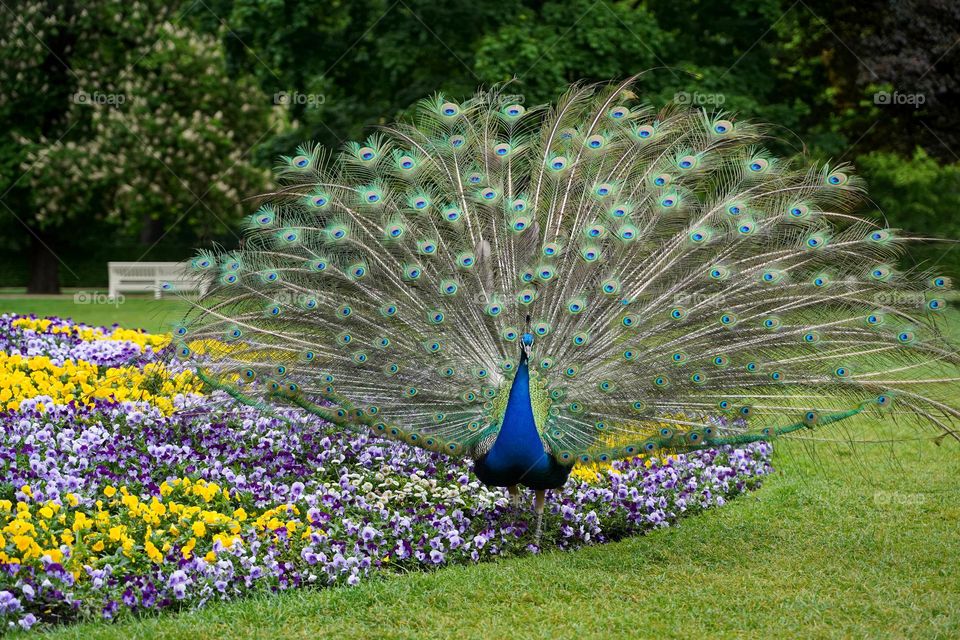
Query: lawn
131,311
834,545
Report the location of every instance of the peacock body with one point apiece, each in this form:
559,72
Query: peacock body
575,283
517,454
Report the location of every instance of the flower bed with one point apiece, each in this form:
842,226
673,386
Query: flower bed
115,505
75,363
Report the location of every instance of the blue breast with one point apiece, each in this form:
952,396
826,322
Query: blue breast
517,455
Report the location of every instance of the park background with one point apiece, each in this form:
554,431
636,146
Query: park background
135,130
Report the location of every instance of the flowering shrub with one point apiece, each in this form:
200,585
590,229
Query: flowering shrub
121,505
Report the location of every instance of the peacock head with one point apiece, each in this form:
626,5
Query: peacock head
527,339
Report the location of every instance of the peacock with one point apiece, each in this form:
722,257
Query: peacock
597,279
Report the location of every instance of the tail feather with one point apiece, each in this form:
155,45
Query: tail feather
675,274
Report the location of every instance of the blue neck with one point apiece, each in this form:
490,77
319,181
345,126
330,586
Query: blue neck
518,443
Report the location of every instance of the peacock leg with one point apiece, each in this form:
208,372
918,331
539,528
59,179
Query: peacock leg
514,492
538,503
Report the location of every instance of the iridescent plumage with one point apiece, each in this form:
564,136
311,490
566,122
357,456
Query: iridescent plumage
683,287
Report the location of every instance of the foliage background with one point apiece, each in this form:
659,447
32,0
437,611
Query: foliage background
134,129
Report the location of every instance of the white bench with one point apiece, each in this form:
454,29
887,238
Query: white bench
148,276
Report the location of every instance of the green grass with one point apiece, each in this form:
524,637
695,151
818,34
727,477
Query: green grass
819,551
135,312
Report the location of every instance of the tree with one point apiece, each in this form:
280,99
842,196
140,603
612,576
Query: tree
547,46
345,66
917,194
119,115
899,63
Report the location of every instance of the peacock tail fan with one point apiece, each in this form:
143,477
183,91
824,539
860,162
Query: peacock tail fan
684,287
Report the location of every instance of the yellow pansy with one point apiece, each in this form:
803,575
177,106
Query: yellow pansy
153,553
55,554
22,378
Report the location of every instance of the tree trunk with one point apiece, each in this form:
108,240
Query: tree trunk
44,266
151,230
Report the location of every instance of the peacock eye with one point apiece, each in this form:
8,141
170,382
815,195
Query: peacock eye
595,142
